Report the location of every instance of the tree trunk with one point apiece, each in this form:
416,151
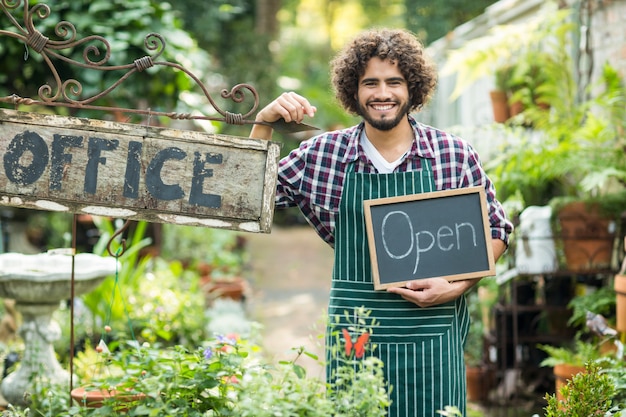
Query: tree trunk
266,22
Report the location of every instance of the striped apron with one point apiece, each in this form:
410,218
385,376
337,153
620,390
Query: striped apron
422,348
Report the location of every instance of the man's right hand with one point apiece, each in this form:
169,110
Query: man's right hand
290,106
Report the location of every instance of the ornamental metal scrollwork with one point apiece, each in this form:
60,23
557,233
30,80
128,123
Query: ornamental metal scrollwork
66,93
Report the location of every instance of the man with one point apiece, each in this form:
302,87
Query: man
382,76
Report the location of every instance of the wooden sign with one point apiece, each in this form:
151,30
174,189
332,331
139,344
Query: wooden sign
437,234
136,172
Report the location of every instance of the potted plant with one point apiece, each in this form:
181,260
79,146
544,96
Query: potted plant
589,393
500,94
527,79
590,140
570,360
501,50
573,160
166,381
567,362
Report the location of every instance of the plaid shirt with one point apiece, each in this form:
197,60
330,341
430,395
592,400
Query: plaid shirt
311,177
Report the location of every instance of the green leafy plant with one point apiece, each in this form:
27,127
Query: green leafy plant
224,376
600,301
587,394
358,388
615,368
579,354
173,380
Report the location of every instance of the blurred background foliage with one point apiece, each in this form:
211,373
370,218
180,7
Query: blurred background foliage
274,45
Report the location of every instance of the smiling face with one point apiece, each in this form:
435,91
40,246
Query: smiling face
383,95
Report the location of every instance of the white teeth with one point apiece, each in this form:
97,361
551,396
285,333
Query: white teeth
383,108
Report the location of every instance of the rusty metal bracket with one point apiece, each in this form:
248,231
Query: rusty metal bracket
66,93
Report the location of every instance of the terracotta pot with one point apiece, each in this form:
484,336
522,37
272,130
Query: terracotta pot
562,373
478,382
588,238
516,108
95,398
620,302
500,106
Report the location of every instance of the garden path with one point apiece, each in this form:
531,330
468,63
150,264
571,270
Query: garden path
290,272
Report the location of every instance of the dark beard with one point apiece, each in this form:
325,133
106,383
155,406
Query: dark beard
383,124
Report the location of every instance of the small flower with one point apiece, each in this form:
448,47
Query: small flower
232,379
230,339
208,353
234,337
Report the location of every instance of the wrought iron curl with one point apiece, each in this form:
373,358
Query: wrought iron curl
154,42
42,11
11,4
73,88
66,30
120,251
238,95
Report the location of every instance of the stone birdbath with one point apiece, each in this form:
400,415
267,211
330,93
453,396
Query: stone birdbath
38,283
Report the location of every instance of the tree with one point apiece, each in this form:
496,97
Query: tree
125,25
237,33
432,20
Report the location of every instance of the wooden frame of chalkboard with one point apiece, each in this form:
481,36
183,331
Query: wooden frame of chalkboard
436,234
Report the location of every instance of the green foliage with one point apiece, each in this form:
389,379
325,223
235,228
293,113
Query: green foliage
582,143
578,354
168,291
107,302
575,149
615,368
149,299
227,31
358,390
587,394
124,24
433,20
174,380
218,248
600,301
223,376
506,46
45,399
305,64
170,309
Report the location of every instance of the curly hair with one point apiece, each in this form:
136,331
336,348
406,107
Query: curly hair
397,45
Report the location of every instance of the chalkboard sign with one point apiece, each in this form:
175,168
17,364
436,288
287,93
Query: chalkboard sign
437,234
